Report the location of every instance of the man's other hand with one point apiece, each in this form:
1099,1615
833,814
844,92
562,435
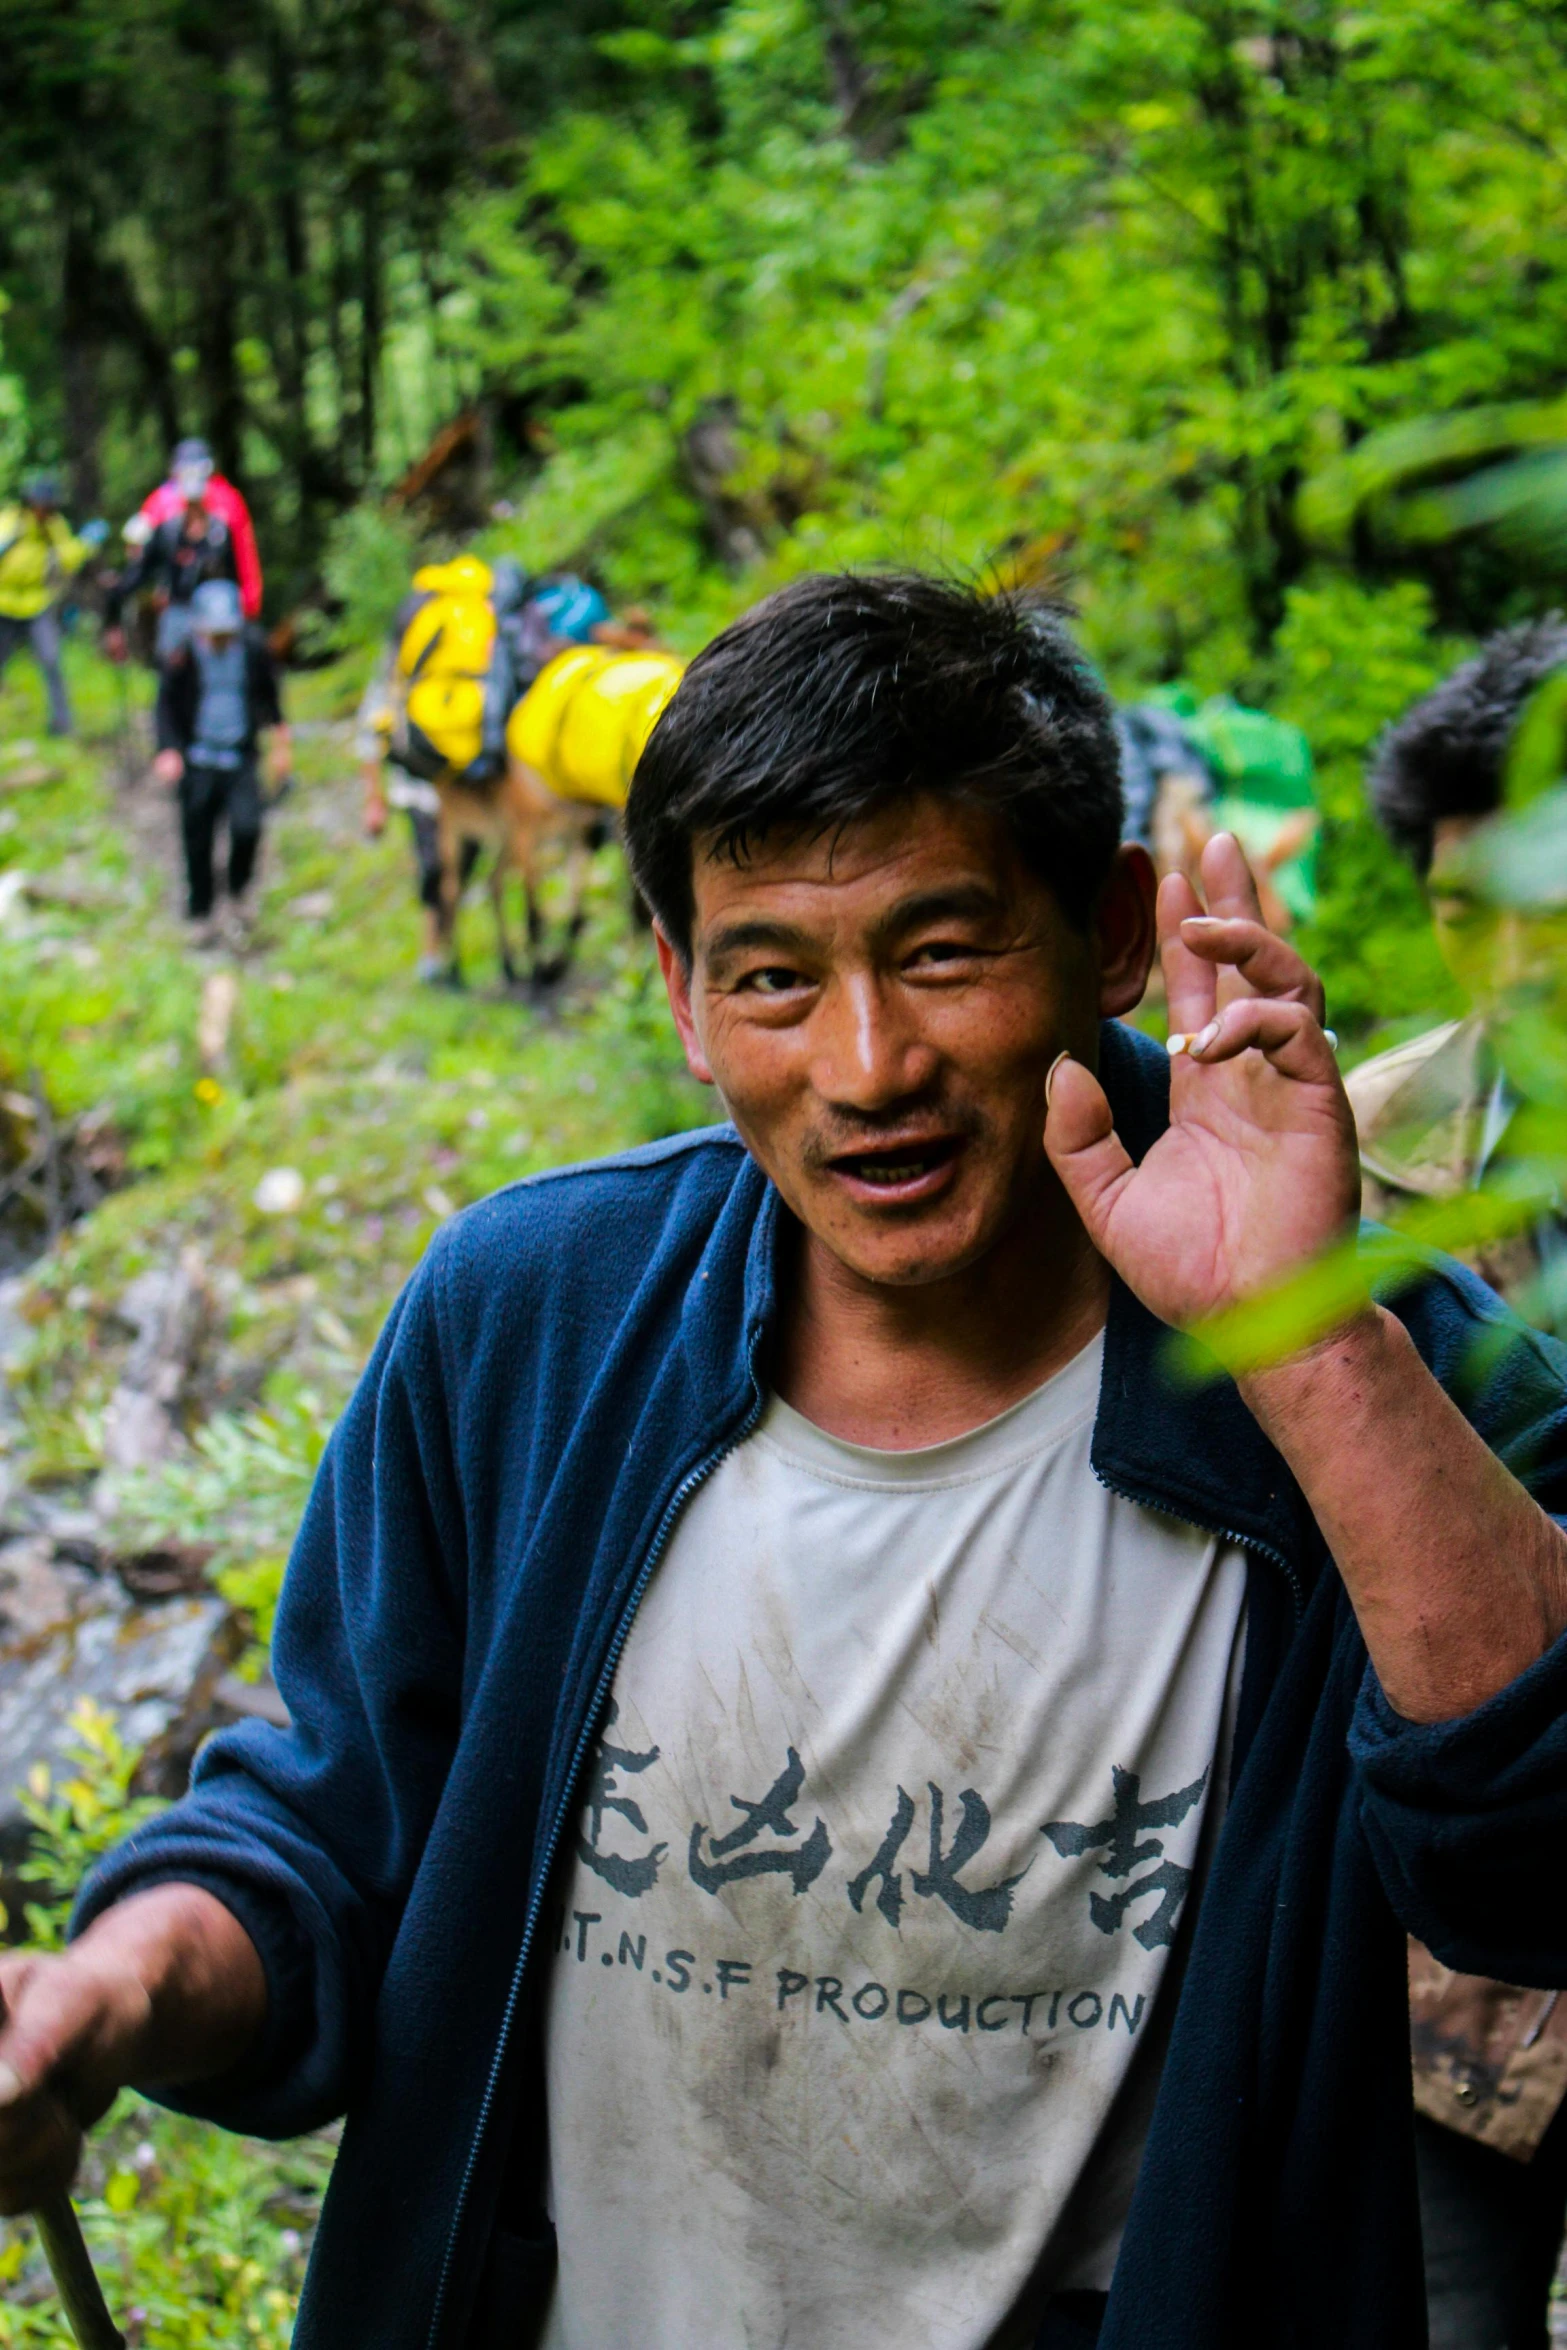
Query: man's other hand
65,2049
375,811
168,767
1258,1168
166,1986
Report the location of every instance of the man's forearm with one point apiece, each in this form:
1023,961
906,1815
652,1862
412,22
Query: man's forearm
1458,1578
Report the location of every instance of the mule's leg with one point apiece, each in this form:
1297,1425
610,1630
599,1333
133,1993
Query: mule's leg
450,847
531,875
500,866
579,855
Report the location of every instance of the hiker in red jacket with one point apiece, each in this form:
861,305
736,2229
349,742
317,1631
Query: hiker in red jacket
194,526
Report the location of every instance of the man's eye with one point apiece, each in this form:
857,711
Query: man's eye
773,979
942,950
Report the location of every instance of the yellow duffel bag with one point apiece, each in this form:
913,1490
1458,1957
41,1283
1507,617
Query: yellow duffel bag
450,636
445,718
583,722
464,575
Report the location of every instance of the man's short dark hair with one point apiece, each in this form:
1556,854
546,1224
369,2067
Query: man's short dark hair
1448,755
843,694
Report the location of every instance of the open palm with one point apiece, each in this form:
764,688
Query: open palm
1257,1169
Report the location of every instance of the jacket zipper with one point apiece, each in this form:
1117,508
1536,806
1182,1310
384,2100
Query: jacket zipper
677,1501
1267,1550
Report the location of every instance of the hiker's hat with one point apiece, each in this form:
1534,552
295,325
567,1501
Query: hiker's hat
215,608
41,489
191,468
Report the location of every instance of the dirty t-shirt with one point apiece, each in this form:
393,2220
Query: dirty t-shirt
878,1874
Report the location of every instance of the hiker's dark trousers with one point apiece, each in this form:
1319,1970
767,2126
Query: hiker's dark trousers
43,636
210,796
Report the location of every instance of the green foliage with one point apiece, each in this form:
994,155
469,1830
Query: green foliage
241,1491
200,2238
1067,289
13,414
76,1820
1348,660
1430,477
369,557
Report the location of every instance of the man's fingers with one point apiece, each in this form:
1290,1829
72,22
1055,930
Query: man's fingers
1287,1033
1227,880
40,2018
40,2138
62,2019
1083,1146
1230,888
1190,982
1267,963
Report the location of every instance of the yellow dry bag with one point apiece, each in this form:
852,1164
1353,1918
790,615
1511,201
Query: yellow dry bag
585,719
444,655
446,719
464,575
450,636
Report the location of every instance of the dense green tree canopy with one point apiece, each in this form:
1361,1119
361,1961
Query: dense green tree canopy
750,283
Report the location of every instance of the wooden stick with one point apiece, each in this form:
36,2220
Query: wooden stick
76,2282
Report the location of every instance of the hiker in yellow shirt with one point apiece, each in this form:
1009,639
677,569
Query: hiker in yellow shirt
39,552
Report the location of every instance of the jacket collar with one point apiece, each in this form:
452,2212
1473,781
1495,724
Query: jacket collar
1190,1448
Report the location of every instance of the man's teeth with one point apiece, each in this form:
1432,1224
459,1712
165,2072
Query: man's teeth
892,1170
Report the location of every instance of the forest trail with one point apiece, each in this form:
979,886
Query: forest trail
375,1106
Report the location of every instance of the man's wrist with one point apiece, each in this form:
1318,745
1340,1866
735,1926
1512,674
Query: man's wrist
186,1992
1328,1384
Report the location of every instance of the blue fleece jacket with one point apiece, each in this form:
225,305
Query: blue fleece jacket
570,1360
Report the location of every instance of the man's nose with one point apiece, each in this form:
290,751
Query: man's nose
869,1052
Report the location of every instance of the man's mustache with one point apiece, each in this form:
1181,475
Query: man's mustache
843,1137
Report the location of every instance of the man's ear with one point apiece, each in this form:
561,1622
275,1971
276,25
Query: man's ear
677,980
1126,931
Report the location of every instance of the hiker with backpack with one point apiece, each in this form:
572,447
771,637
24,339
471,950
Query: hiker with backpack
39,552
194,527
218,693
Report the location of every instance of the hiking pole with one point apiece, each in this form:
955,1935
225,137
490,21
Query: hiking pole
75,2280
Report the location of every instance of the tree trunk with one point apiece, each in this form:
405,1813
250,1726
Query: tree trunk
372,324
219,274
81,358
292,352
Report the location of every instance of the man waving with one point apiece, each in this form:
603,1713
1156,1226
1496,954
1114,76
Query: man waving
834,1796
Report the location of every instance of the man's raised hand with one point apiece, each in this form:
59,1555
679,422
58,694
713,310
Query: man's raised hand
1257,1170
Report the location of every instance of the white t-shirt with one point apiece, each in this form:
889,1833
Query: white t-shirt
874,1887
